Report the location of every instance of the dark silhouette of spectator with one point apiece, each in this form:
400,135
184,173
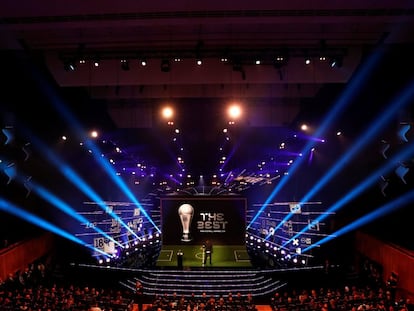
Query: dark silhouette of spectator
392,284
139,293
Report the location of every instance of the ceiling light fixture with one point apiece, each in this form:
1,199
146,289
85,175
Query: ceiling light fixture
280,61
125,64
167,112
165,65
69,65
336,62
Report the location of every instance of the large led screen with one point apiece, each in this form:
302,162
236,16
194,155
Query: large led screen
194,220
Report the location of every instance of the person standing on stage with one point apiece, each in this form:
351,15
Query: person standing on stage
208,250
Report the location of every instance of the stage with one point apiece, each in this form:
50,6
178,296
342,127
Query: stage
234,256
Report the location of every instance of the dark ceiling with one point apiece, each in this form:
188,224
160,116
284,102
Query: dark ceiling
374,40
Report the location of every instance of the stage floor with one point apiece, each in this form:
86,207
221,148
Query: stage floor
222,256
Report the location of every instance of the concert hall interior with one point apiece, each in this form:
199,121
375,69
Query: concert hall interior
279,133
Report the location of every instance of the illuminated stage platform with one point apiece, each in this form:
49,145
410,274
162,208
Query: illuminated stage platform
230,256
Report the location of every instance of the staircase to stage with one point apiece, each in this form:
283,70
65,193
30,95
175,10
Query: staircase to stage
211,282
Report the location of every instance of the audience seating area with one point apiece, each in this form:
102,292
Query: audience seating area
347,298
226,302
40,287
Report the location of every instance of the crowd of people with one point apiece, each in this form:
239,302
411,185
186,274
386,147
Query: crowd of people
368,291
348,298
37,288
227,302
35,291
32,293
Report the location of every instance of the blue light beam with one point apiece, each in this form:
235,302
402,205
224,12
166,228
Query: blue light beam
64,207
69,117
378,125
10,208
376,128
353,87
75,179
55,201
117,180
372,179
370,217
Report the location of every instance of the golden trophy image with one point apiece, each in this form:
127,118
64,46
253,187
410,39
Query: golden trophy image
186,212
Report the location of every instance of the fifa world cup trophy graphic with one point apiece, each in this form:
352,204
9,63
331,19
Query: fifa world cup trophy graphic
186,212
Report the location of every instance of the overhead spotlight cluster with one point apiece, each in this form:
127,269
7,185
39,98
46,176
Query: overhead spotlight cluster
277,57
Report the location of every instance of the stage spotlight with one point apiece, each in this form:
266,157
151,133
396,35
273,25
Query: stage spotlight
384,147
237,66
234,111
280,61
402,132
336,62
383,185
96,62
26,151
27,185
10,171
124,64
167,113
9,133
165,65
401,171
69,65
93,134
